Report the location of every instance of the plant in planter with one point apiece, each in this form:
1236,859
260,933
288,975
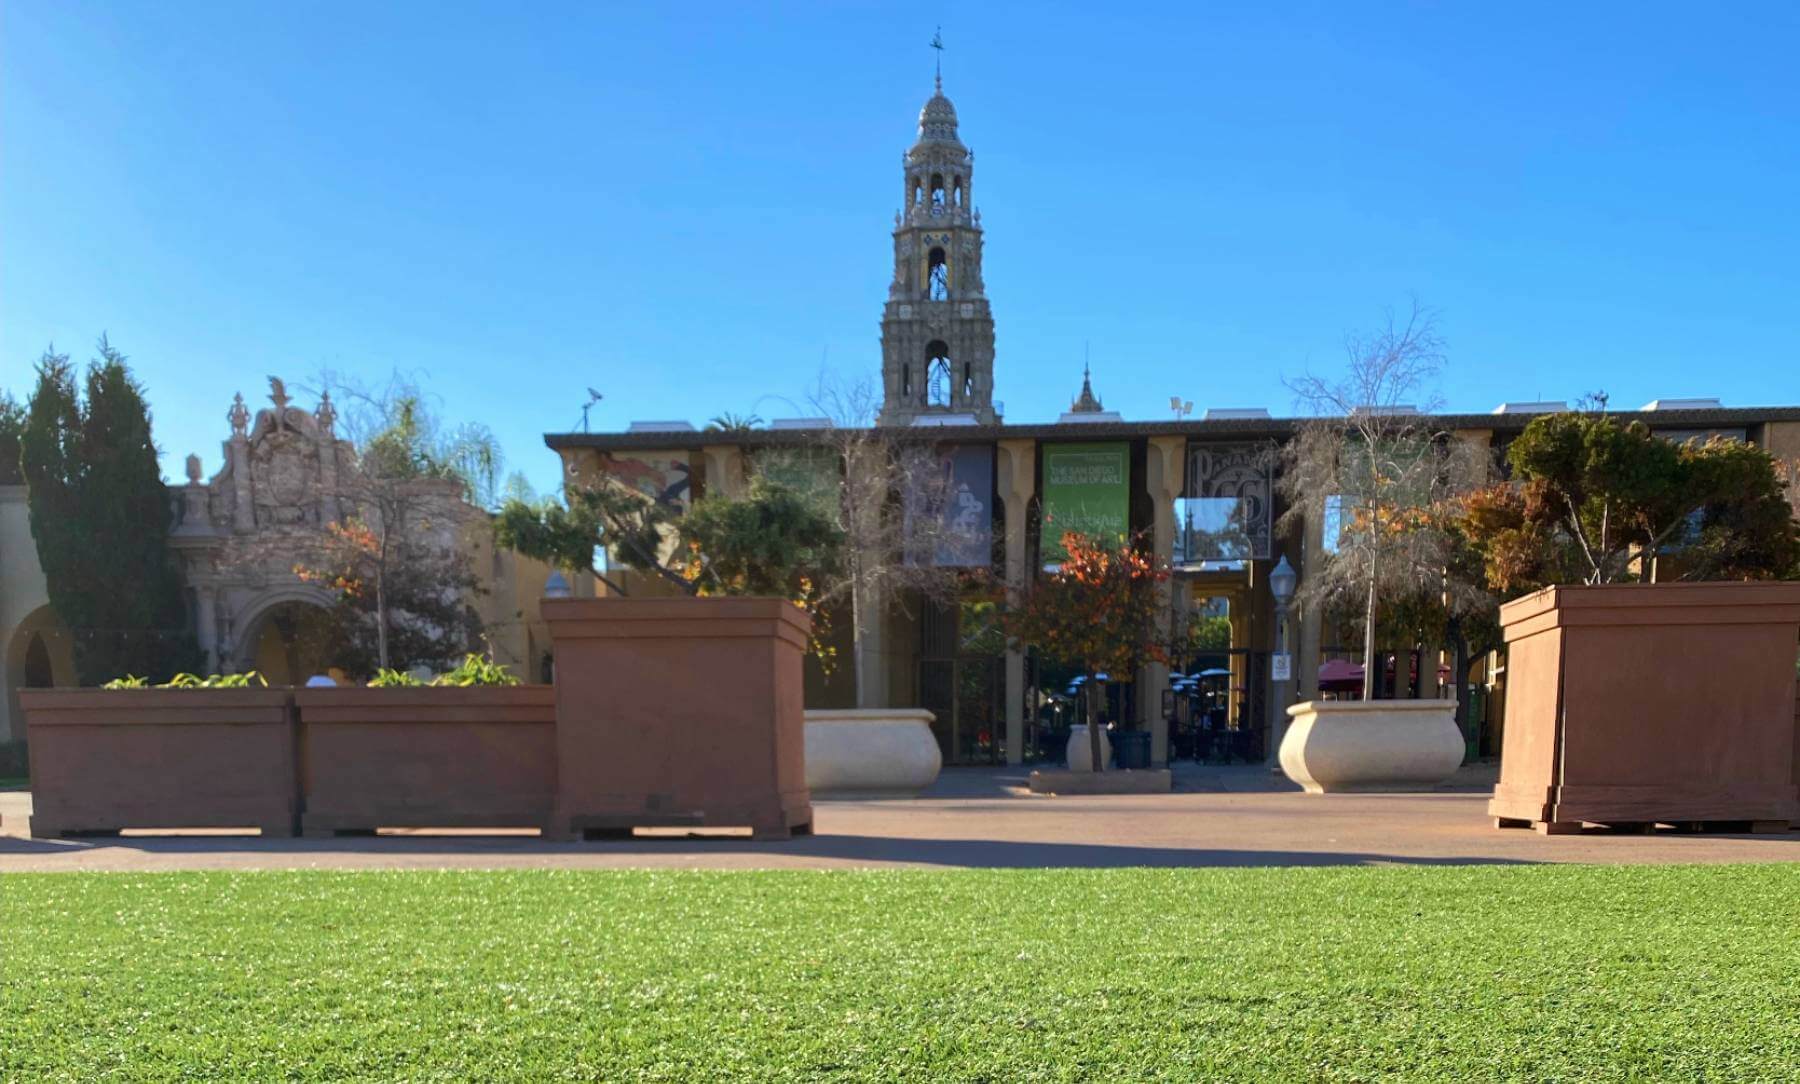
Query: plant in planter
1099,608
709,727
1640,688
222,746
1375,468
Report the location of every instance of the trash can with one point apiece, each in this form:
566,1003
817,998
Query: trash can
1131,748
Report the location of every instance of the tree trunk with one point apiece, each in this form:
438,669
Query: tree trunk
381,621
1369,674
1096,697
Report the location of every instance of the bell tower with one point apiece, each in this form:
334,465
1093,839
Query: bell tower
937,332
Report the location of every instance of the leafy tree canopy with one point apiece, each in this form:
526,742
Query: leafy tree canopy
1593,501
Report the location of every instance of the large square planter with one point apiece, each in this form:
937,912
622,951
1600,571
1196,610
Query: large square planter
1366,746
457,757
675,712
108,759
871,752
1650,703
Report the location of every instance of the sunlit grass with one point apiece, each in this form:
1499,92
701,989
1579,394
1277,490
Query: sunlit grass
1475,973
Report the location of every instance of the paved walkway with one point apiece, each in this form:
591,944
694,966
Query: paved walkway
972,818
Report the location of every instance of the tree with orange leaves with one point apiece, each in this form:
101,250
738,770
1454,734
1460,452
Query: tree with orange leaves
1098,610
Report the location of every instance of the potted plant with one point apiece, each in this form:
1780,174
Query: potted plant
472,747
215,752
1373,465
1650,669
1099,611
683,710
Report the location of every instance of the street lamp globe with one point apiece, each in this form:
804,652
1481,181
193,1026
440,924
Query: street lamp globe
1282,581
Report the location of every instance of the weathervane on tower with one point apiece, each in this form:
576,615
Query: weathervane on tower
937,42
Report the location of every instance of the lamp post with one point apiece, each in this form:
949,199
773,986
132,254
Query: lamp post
1282,582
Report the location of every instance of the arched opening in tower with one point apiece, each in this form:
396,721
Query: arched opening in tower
957,192
938,282
939,369
937,190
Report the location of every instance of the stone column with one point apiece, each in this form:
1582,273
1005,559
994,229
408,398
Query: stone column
243,512
1164,475
206,624
1016,482
1306,651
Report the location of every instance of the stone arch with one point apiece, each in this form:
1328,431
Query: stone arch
39,647
252,621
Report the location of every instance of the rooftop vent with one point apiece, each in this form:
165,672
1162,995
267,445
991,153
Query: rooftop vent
1535,406
800,423
661,427
1397,410
1227,414
945,419
1683,404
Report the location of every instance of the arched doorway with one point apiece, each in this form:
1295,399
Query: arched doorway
39,655
286,637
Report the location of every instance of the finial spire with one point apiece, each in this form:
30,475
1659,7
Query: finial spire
937,42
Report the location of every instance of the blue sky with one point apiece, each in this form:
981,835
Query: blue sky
688,206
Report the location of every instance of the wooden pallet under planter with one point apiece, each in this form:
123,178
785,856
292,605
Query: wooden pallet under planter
453,757
1641,704
105,760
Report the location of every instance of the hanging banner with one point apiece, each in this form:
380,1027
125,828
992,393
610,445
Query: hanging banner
1087,489
1225,515
950,509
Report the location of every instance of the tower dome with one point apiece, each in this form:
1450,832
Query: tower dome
937,120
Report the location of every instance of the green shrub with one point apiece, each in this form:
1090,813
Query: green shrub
246,680
473,670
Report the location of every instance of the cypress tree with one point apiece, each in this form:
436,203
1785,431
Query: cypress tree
12,426
100,515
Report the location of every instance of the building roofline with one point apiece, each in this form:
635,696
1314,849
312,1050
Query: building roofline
1223,428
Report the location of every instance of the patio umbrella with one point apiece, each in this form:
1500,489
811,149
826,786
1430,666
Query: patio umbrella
1340,676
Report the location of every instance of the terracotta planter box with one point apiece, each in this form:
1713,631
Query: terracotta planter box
108,759
679,712
475,757
1650,703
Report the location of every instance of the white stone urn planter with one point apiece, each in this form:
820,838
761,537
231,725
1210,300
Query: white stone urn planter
1371,745
1080,751
871,752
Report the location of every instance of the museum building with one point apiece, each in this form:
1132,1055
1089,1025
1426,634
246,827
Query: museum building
1202,490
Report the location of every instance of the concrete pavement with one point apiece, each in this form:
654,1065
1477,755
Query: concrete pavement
973,818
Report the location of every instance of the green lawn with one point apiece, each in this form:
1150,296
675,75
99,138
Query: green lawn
1477,973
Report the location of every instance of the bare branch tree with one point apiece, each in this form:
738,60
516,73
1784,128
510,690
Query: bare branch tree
891,492
1372,464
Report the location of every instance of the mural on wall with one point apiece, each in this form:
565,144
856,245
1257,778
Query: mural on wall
665,477
1226,514
1087,490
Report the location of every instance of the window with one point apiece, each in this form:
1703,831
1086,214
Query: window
938,374
938,285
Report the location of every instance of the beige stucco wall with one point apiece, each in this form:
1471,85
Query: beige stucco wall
24,611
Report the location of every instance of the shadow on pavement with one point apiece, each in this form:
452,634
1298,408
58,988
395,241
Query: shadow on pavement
950,853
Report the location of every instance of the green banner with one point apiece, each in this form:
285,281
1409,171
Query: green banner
1087,488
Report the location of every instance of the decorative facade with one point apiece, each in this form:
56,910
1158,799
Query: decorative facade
937,331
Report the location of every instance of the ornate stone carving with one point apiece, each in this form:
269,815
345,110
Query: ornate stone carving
238,416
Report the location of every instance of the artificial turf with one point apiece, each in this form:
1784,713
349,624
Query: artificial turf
1469,973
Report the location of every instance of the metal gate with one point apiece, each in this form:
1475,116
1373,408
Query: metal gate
966,692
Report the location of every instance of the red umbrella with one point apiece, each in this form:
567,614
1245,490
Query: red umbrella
1340,676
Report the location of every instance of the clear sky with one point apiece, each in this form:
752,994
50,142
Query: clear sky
688,206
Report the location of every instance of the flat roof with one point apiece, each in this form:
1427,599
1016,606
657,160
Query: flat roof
1216,428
